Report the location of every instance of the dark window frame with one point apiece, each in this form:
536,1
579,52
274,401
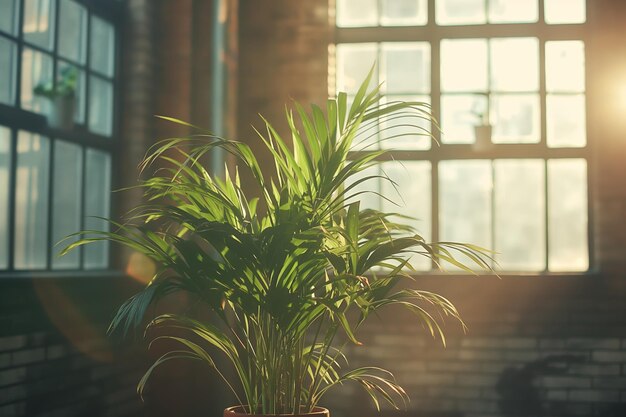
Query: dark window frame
17,119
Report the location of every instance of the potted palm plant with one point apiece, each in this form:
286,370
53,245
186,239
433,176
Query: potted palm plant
62,98
287,272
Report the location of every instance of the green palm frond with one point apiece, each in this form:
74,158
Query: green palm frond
286,263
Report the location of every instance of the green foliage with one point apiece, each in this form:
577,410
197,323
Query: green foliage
289,280
64,87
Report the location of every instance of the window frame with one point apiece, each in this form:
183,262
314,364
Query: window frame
17,119
433,33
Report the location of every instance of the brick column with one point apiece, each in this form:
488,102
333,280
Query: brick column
283,57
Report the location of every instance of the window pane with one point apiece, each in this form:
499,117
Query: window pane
513,11
31,201
366,139
459,115
515,64
5,166
38,22
566,125
79,109
460,12
464,65
515,118
519,214
36,69
102,48
8,16
72,28
366,191
412,195
465,202
66,202
405,67
404,12
354,62
7,71
410,130
567,210
565,11
565,66
100,106
97,202
357,13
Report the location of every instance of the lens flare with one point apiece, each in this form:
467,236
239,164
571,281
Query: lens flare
140,268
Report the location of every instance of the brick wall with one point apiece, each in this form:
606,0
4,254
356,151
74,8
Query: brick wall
55,359
536,346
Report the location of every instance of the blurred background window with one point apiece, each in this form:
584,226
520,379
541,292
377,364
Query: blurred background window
506,80
55,179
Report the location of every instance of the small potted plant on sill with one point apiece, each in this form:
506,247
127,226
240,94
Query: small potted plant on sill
288,272
482,131
62,98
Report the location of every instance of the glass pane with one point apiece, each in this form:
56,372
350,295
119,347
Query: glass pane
36,69
459,115
513,11
409,130
567,210
519,214
404,12
102,48
465,203
515,64
7,71
464,65
515,118
66,202
366,139
565,66
405,67
8,16
38,22
365,191
31,201
97,203
412,197
357,13
460,12
79,109
5,166
72,30
565,11
354,62
100,106
566,121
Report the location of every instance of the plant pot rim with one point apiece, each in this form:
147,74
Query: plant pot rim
238,411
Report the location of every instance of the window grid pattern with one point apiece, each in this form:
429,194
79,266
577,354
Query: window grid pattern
527,174
53,181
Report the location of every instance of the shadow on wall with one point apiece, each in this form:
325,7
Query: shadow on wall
520,395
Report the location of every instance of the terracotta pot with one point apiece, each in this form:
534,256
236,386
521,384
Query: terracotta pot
238,411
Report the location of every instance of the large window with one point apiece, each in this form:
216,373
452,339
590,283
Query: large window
506,80
55,181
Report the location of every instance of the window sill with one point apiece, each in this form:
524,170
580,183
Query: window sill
21,119
78,275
